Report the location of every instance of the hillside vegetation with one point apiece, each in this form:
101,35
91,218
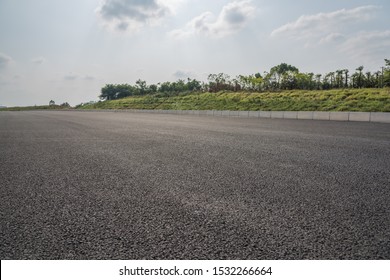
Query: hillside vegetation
364,100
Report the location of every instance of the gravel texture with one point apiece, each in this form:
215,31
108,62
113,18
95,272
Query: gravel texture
105,185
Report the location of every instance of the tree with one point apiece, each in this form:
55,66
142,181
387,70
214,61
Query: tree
193,85
218,82
339,78
355,80
318,81
291,80
236,84
108,92
378,79
278,71
142,87
346,77
257,82
331,75
369,81
152,88
52,103
360,69
111,92
179,86
328,81
310,75
165,87
251,83
386,73
244,82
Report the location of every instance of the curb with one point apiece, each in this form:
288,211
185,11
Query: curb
377,117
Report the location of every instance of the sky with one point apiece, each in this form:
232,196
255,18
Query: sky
67,51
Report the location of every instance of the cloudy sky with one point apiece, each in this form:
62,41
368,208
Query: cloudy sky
67,50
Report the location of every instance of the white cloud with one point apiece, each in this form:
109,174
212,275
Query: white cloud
368,44
232,18
337,28
131,15
89,78
331,38
71,77
183,74
38,60
321,26
4,60
173,5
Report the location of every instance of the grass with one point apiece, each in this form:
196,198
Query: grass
362,100
30,108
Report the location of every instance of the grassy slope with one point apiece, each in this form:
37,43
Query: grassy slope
365,100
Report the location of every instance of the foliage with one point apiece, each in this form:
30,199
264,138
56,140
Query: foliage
366,100
386,74
118,91
280,77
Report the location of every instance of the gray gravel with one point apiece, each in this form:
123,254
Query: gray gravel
102,185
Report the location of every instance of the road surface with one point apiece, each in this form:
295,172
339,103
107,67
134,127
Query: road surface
105,185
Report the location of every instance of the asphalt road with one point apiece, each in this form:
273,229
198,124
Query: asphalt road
88,185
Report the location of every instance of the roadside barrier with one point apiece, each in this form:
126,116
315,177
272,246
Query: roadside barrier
297,115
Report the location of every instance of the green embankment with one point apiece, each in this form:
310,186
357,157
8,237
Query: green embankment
363,100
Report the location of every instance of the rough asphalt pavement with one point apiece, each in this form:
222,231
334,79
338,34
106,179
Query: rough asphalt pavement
102,185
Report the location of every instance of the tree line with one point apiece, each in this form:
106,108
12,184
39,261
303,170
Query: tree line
280,77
